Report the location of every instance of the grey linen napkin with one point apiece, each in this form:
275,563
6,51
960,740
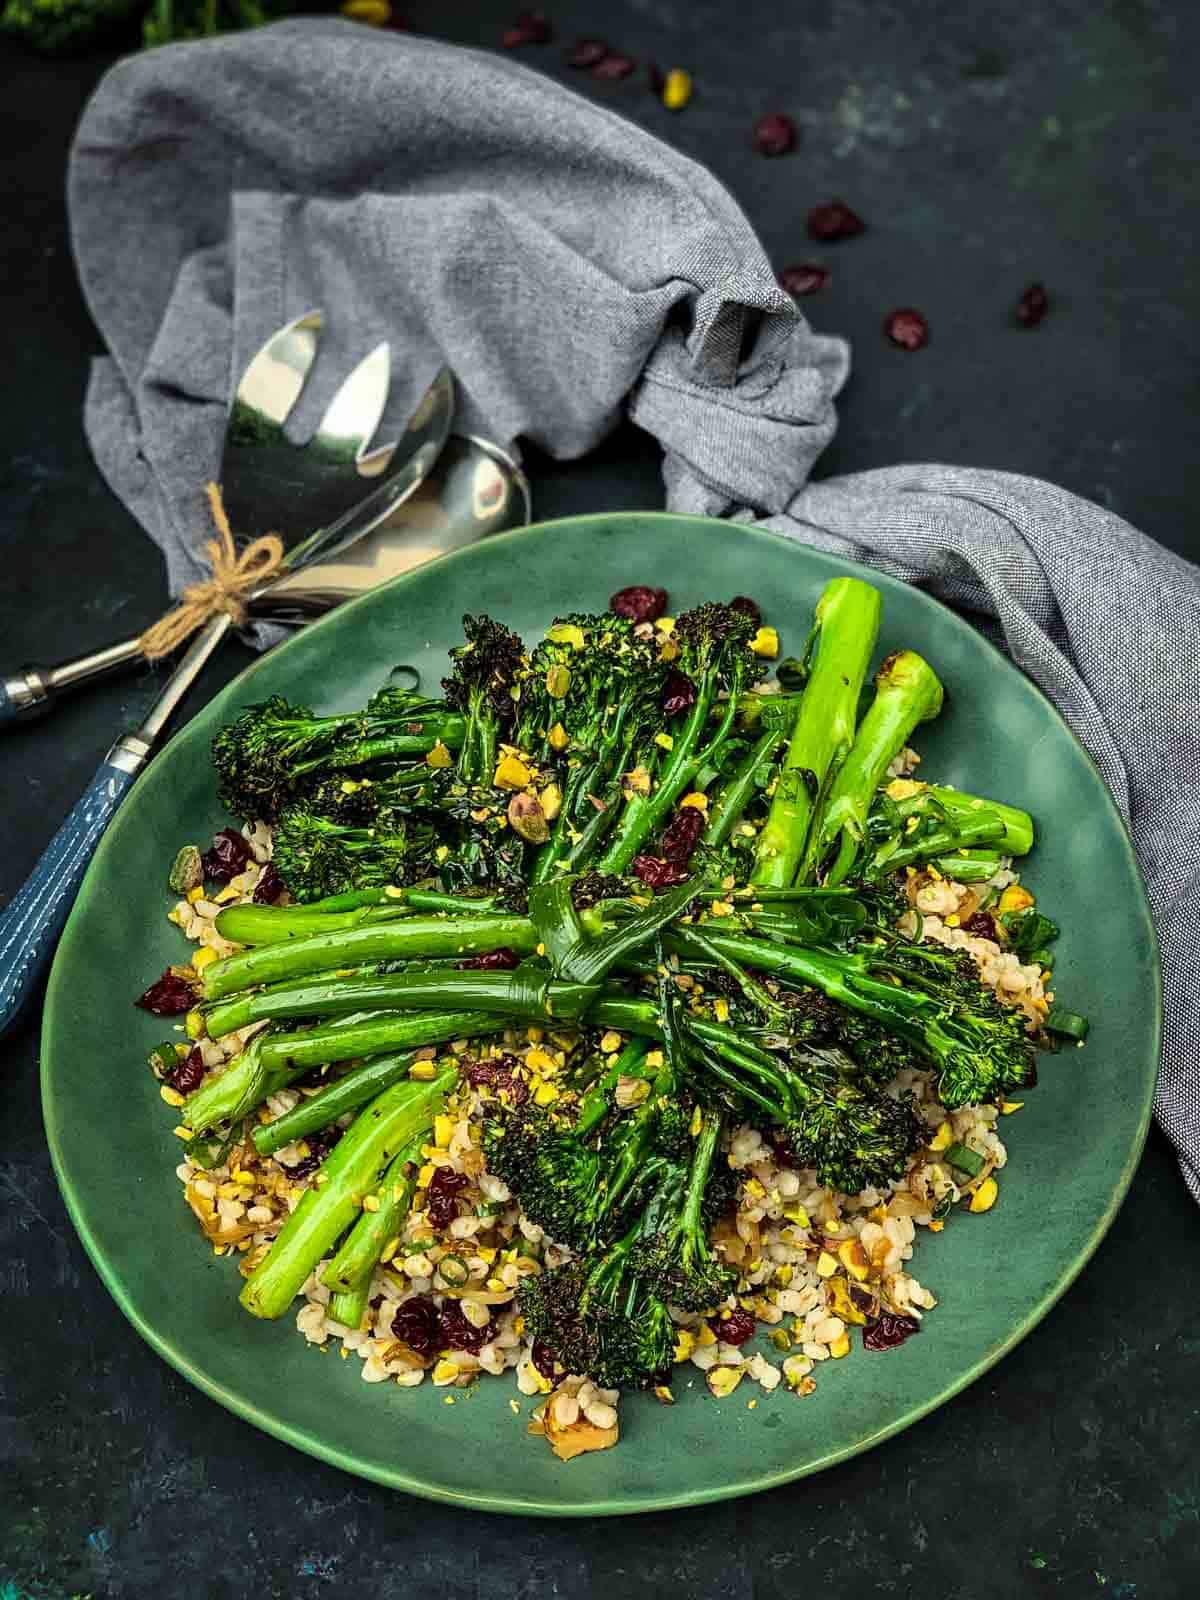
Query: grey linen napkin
570,268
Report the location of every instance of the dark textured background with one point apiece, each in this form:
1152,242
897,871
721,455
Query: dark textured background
986,144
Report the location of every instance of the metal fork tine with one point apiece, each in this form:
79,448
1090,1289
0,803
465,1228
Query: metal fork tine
271,384
353,414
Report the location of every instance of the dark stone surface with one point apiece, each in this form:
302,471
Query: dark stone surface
986,145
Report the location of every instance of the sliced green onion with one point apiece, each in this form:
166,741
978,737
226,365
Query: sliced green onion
1067,1023
965,1159
454,1270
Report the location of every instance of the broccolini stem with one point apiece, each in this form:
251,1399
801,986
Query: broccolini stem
971,866
983,828
907,691
407,939
726,810
847,617
382,1130
644,814
371,1035
446,729
349,1306
251,924
359,1253
1018,835
255,925
514,995
346,1094
596,1103
245,1084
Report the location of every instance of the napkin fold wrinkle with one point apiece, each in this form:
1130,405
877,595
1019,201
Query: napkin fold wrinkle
571,270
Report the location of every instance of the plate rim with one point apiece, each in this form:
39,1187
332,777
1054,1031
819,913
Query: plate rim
311,1443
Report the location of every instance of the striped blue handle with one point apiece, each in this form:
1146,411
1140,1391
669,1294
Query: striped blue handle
30,925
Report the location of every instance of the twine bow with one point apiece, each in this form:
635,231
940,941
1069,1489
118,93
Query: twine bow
235,575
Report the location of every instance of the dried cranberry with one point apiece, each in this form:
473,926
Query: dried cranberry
982,924
189,1074
1033,305
656,77
907,328
171,996
834,220
228,856
774,134
502,960
586,52
888,1330
543,1358
417,1325
319,1145
483,1074
682,835
269,886
806,277
459,1334
657,873
639,603
444,1188
616,64
747,607
736,1328
531,27
679,694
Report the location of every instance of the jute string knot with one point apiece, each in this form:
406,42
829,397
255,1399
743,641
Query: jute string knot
235,575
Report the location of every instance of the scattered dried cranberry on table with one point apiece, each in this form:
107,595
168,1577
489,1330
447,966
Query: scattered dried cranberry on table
586,53
639,603
616,64
531,27
805,277
170,996
774,134
835,220
907,329
1033,305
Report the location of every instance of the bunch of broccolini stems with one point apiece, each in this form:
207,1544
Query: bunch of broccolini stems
621,832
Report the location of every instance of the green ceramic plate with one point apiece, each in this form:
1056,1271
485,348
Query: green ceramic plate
1072,1150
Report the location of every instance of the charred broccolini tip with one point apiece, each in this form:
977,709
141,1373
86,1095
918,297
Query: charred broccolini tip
598,1317
316,857
672,1253
854,1139
484,685
276,752
715,659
